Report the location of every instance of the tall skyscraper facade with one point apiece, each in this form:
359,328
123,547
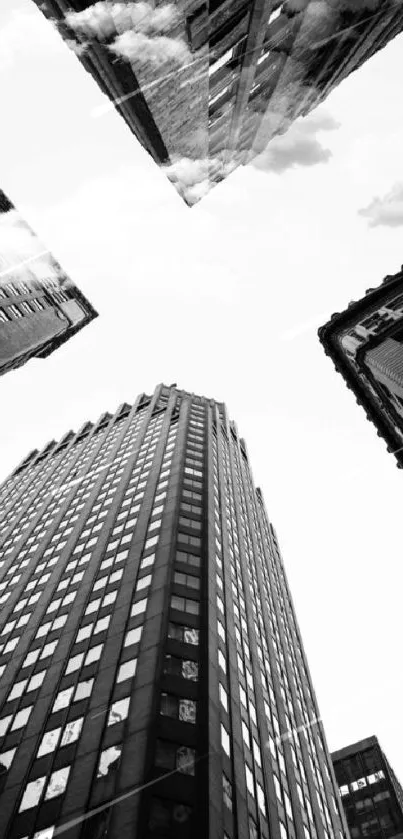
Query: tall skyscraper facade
40,307
205,86
365,343
372,795
153,681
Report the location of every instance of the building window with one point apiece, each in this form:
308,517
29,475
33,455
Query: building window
173,756
178,708
227,792
127,670
180,632
249,780
225,741
108,761
181,667
183,604
118,711
133,636
188,580
56,786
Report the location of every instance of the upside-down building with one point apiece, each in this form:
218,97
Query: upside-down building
205,86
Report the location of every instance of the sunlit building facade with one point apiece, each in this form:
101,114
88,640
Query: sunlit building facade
40,307
365,343
205,86
153,680
371,794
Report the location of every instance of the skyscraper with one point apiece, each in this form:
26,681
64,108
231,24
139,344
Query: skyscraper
40,307
365,344
205,86
371,794
153,681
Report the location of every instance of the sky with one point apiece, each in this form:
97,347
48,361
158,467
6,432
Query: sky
225,300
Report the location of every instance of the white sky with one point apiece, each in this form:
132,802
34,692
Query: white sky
225,300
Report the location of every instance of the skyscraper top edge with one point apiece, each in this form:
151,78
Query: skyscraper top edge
353,748
327,333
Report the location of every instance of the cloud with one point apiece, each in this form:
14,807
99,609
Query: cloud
106,19
386,211
299,146
159,50
77,47
25,33
193,178
139,32
22,255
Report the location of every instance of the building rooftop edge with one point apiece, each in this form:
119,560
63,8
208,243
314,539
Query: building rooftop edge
327,331
359,746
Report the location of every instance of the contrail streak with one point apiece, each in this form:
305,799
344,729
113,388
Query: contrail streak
24,262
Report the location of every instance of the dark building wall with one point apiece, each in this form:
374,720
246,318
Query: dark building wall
371,794
348,338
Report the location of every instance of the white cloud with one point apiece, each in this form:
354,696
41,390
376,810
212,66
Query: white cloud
299,146
104,19
22,254
193,178
159,50
139,30
24,34
386,211
76,47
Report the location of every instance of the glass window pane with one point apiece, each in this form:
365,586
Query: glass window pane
83,633
185,760
190,670
139,607
36,680
74,663
62,699
6,759
169,705
57,783
225,741
133,636
72,731
127,670
49,742
108,760
94,654
191,636
47,833
187,710
17,690
32,794
83,690
102,624
21,718
118,711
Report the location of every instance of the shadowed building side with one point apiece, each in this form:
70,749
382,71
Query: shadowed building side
364,343
371,794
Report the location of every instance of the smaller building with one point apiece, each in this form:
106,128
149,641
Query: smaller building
40,308
371,794
365,342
